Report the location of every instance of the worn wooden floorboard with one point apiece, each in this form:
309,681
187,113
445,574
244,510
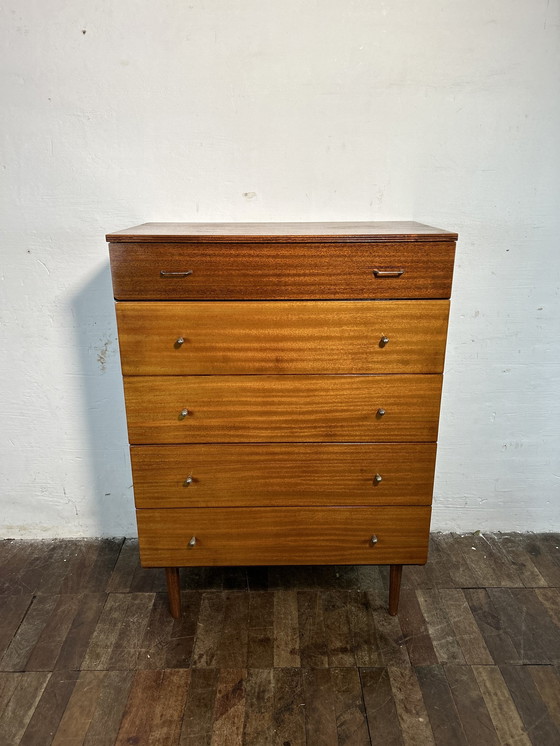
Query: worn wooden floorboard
89,655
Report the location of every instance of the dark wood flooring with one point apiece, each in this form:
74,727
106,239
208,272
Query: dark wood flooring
89,654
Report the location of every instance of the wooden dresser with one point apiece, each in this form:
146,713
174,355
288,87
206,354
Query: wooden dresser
282,386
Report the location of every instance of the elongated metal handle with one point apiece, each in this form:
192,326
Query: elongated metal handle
163,273
388,272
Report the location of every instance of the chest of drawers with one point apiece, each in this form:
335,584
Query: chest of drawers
282,386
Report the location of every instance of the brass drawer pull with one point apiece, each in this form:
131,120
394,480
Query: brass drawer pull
388,272
162,273
192,542
373,540
377,478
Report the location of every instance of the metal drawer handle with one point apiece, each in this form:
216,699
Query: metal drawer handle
373,539
192,542
183,413
179,342
382,342
388,272
188,480
377,478
175,274
380,412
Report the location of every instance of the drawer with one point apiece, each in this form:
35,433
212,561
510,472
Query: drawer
210,409
283,536
279,270
189,476
288,337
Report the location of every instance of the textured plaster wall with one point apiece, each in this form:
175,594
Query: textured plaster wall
116,113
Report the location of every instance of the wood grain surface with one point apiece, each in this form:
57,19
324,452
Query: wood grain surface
407,230
290,536
294,337
276,271
281,408
261,364
306,654
221,475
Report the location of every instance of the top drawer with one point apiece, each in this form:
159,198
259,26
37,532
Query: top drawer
280,271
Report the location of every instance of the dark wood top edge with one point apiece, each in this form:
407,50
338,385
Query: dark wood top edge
268,299
361,232
393,238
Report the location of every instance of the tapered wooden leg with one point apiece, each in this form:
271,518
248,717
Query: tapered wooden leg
394,588
173,591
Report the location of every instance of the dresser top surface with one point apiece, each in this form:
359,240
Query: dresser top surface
378,231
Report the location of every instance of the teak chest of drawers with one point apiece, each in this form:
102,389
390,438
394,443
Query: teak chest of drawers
282,386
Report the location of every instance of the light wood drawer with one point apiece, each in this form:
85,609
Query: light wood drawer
255,409
213,475
290,536
275,271
289,337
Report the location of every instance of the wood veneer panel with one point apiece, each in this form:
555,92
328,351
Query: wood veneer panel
282,474
279,271
281,408
294,536
296,337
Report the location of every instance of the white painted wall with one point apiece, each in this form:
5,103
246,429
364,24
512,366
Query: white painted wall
116,113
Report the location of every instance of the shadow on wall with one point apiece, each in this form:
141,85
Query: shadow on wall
109,490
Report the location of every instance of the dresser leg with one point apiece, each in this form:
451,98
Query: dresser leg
394,588
173,591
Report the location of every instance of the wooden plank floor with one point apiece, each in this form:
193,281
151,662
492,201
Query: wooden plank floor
281,656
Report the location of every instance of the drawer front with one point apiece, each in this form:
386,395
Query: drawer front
288,337
290,536
281,270
213,475
236,409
